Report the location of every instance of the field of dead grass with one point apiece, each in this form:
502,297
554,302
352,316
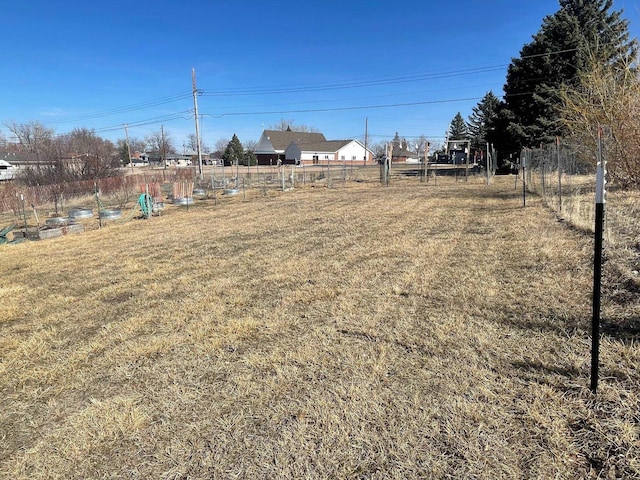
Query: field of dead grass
409,331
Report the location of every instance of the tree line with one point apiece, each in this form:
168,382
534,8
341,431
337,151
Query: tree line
82,154
577,77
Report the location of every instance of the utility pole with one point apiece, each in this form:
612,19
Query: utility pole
195,108
366,135
162,147
126,134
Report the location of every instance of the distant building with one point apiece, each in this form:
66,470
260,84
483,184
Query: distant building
349,152
7,171
401,152
270,149
307,148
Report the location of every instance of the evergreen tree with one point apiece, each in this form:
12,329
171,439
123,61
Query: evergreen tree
482,120
249,158
457,128
234,153
553,59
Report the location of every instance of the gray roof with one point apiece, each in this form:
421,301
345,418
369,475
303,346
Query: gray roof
281,140
322,146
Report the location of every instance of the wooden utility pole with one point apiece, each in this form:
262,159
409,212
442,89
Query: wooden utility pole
126,134
195,109
162,147
366,133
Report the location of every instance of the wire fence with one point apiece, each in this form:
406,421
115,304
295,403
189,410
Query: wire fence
567,185
120,188
286,177
218,179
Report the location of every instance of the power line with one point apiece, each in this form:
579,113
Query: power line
141,123
297,89
373,82
125,109
349,85
339,109
150,121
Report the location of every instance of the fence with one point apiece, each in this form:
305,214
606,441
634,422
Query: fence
567,185
216,182
120,187
285,177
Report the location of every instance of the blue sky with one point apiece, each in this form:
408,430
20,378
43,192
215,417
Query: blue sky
405,66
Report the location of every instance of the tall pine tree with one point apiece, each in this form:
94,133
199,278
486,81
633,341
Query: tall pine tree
234,152
555,57
457,128
482,120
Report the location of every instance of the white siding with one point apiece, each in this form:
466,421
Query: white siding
321,156
7,171
351,150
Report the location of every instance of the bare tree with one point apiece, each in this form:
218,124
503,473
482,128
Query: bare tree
249,145
33,137
87,155
192,143
289,124
160,143
607,97
420,145
221,145
379,150
78,155
136,144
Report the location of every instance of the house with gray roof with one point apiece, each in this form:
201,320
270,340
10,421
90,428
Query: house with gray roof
272,144
305,148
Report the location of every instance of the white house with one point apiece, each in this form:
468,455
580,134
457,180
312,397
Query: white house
332,151
270,149
7,171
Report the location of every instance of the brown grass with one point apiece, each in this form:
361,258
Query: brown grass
411,331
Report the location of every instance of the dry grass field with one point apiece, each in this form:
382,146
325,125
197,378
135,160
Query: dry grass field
367,332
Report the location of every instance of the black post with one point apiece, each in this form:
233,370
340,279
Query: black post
597,265
597,286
